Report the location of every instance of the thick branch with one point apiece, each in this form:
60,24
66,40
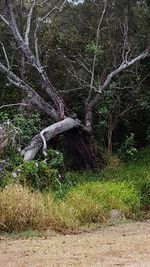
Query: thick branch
36,143
35,99
31,59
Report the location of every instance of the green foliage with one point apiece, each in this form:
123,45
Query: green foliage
88,197
92,202
12,159
28,125
55,159
3,117
136,172
35,174
92,49
20,129
127,149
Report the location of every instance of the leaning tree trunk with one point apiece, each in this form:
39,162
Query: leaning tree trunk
78,143
39,141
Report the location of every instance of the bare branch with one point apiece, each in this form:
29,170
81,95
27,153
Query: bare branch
59,9
31,59
12,22
35,99
29,17
95,54
36,41
5,54
88,111
122,67
4,20
126,46
13,105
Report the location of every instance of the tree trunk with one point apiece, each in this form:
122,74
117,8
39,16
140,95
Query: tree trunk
78,143
80,149
109,138
46,134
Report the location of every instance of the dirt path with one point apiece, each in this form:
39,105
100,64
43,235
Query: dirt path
123,245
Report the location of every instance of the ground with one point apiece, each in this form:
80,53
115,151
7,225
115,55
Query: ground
120,245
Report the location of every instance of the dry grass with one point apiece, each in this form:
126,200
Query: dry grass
21,209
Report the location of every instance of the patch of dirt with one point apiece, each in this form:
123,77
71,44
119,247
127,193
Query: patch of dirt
123,245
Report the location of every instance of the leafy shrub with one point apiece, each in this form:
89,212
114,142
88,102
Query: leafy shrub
92,202
34,174
28,126
128,149
19,129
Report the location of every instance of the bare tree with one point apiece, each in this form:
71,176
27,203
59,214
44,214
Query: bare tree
55,107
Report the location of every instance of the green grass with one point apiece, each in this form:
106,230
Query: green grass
92,202
135,172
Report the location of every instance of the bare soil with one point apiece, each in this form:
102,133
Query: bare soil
122,245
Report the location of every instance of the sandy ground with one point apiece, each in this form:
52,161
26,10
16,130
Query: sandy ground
122,245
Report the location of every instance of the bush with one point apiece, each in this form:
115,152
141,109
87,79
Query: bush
92,202
34,174
127,149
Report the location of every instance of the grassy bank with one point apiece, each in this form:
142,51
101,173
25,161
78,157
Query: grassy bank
83,199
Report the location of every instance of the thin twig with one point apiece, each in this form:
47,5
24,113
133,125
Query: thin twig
12,105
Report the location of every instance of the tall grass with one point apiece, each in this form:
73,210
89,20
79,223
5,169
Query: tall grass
21,209
85,198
